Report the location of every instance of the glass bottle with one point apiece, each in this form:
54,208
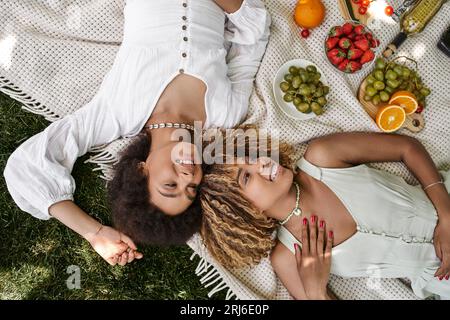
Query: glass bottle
413,22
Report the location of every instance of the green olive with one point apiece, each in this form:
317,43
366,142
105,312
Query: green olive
296,82
311,68
304,76
326,89
322,101
288,97
312,87
293,70
316,108
284,86
318,92
304,107
288,77
297,101
406,73
398,70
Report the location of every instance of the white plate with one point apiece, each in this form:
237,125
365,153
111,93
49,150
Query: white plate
288,107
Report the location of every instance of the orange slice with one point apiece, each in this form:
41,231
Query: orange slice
390,118
405,99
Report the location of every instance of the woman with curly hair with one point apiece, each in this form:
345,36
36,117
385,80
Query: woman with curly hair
380,225
179,62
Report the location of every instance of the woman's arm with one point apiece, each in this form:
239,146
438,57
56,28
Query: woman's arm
305,274
38,173
229,6
109,243
348,149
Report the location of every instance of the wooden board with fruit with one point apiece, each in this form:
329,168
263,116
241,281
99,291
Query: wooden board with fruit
394,96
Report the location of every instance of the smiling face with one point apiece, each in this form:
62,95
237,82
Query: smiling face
173,176
263,183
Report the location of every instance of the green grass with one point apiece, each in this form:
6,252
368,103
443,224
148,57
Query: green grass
35,254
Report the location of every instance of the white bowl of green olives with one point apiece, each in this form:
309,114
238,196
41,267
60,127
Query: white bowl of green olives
300,89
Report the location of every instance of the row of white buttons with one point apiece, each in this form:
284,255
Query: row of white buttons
185,38
405,238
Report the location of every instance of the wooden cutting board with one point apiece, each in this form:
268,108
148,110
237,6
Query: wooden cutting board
413,122
349,11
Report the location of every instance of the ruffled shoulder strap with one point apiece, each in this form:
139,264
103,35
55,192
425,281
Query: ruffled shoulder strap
286,238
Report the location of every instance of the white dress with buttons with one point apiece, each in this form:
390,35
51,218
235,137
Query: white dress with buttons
395,225
162,38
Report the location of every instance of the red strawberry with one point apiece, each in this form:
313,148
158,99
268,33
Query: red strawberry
367,56
332,42
368,35
359,29
352,66
359,37
354,54
336,56
374,43
347,28
352,36
343,65
362,44
336,31
345,43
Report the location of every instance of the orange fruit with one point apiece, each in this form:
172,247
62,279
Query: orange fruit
405,99
309,13
390,117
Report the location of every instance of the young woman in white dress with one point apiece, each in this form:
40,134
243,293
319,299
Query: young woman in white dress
379,225
180,61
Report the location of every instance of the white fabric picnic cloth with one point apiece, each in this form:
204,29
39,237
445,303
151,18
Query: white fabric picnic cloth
54,54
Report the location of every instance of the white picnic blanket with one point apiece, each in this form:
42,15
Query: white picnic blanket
54,54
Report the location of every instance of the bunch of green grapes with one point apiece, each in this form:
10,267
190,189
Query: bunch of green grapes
302,87
390,77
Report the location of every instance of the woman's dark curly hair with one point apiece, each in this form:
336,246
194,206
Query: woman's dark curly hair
132,211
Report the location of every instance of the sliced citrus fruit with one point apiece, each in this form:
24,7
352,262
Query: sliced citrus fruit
390,117
405,99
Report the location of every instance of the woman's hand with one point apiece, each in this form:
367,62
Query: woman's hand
113,246
314,259
441,240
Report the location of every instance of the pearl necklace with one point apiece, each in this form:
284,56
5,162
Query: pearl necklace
296,211
169,125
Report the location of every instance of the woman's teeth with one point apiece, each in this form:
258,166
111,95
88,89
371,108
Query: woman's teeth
180,161
274,172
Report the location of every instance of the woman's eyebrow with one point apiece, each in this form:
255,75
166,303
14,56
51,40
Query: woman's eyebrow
238,175
169,195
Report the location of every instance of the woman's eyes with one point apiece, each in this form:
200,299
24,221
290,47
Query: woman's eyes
246,178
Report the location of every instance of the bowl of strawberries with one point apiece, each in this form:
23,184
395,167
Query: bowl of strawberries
351,47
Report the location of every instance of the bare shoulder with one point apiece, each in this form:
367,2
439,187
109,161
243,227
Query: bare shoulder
281,256
324,152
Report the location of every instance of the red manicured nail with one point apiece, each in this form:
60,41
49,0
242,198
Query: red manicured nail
322,223
440,278
446,277
313,219
295,246
330,234
305,221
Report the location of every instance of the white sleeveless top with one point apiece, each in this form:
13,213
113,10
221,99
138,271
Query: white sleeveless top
395,225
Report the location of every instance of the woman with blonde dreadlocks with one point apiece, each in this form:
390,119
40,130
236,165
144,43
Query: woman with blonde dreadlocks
380,223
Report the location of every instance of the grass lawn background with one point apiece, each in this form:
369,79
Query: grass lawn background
35,254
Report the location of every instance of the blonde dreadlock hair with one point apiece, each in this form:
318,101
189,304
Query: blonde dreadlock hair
234,231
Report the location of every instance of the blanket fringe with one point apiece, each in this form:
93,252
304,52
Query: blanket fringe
103,158
28,103
209,276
